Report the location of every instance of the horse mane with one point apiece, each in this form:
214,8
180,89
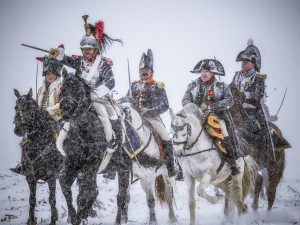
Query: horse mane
193,109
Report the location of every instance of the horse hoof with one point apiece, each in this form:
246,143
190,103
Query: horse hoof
245,209
93,213
84,222
32,222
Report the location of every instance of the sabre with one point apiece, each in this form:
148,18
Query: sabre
40,49
130,94
52,52
281,101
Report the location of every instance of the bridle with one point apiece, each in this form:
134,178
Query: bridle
185,142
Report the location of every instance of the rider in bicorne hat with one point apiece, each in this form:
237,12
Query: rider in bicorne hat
249,84
214,98
152,101
48,97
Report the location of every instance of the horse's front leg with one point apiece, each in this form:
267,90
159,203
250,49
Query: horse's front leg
32,200
147,185
66,180
201,190
52,200
123,197
190,183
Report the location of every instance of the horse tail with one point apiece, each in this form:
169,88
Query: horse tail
250,171
163,193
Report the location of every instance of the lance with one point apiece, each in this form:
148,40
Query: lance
281,101
129,80
52,52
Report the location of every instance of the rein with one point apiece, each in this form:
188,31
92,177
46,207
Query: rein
195,153
185,142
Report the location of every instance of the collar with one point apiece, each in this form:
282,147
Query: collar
148,81
250,72
208,82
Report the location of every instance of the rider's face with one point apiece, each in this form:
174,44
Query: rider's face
146,73
247,65
206,75
50,77
88,53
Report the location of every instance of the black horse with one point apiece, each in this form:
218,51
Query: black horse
40,157
85,146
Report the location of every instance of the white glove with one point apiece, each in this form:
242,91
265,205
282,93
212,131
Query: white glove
57,53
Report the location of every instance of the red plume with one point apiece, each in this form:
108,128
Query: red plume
99,28
40,59
61,46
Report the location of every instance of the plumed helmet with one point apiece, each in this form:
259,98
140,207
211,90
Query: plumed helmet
252,54
147,60
51,65
211,65
95,36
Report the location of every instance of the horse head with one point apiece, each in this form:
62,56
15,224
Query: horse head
186,126
26,112
75,96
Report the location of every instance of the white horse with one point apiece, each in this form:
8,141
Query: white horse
200,160
149,168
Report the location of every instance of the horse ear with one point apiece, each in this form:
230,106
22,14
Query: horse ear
29,95
171,113
17,93
64,73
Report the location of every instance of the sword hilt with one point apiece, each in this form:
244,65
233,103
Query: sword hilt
53,52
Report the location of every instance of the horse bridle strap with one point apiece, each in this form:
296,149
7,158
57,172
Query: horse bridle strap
195,153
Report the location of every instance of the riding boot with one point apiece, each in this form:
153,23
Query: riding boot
231,156
179,175
19,169
168,150
115,143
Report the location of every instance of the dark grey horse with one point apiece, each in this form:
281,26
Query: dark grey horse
40,157
85,147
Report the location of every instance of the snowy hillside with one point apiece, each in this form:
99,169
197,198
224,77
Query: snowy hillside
15,192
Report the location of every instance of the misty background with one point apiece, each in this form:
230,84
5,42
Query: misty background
180,34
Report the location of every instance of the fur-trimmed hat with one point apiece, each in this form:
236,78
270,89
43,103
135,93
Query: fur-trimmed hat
211,65
252,54
95,36
51,65
147,60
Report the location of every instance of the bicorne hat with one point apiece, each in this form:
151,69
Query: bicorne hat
147,60
211,65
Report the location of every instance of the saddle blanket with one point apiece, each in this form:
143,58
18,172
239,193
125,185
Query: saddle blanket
135,144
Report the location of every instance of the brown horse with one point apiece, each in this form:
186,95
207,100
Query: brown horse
275,160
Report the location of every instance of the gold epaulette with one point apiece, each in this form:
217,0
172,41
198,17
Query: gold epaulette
160,85
261,75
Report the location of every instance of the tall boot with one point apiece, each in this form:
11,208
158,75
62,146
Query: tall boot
20,169
230,155
168,150
115,143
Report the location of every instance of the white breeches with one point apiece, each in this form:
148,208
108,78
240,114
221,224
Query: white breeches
159,128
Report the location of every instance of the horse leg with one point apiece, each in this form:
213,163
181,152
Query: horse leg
205,181
275,171
32,200
52,200
169,198
123,197
88,191
66,180
147,186
237,190
190,183
257,189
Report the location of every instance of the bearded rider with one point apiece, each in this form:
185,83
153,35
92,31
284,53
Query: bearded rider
152,100
97,72
47,98
214,99
249,84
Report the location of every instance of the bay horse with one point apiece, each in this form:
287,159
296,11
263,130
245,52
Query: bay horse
275,160
200,160
40,157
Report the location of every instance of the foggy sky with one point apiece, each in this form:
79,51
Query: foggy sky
180,34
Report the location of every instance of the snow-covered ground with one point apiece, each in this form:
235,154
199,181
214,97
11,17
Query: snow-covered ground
15,192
